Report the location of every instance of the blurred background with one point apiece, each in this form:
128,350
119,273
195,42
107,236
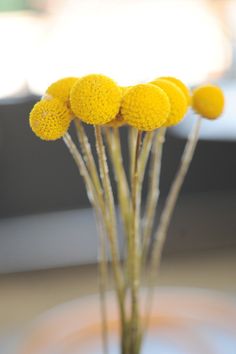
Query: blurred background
47,239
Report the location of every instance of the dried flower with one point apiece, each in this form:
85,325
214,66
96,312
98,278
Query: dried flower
145,107
177,101
208,101
119,120
61,89
124,89
50,119
95,99
180,85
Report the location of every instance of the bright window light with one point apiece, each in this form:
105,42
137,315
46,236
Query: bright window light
20,32
130,40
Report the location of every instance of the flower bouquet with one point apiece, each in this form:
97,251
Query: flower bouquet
146,111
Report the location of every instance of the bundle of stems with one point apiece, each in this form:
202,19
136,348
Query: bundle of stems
138,222
146,110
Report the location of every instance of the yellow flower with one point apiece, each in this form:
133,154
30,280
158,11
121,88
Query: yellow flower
50,119
119,121
61,89
145,107
208,101
177,99
124,89
95,99
181,86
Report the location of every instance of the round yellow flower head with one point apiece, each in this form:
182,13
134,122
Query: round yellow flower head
177,99
95,99
61,89
119,121
145,107
50,119
124,89
180,85
208,101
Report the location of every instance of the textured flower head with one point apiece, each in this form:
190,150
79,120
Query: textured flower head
180,85
208,101
50,119
124,89
95,99
119,120
145,107
177,99
61,89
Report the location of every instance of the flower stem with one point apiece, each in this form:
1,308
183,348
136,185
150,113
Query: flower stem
143,160
98,204
144,155
110,210
161,233
135,256
133,132
92,196
113,140
103,280
88,156
154,190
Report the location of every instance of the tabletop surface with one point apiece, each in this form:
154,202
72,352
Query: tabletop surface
24,296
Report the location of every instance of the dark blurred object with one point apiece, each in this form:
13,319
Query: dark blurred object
35,176
38,176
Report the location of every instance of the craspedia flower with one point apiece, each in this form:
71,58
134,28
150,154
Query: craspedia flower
145,107
50,119
208,101
61,89
95,99
124,89
177,99
180,85
119,121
